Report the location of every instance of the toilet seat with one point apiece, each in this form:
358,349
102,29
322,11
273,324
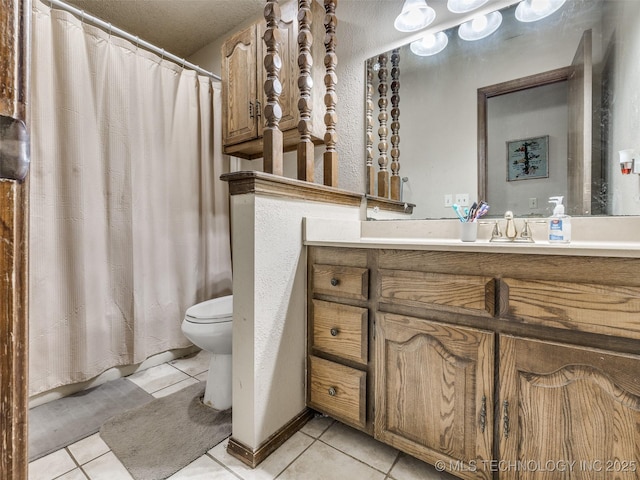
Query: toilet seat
216,310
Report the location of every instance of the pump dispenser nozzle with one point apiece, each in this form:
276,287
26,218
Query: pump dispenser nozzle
559,208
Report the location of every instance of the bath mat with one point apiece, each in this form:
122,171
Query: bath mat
157,439
61,422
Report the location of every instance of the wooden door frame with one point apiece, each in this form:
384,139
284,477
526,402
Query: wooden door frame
524,83
15,19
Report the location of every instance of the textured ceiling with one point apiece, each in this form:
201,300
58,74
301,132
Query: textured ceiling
181,27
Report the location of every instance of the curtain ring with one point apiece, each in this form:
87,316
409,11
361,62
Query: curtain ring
137,42
162,55
110,31
82,15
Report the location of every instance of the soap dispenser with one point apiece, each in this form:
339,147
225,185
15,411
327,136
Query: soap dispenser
559,223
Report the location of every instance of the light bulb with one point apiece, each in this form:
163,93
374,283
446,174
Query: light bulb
534,10
429,41
430,44
415,15
479,23
539,6
480,27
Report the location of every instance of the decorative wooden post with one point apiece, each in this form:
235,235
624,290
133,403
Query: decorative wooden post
273,145
330,98
395,124
383,174
305,83
369,126
15,44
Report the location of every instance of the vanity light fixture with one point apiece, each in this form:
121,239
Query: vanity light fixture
415,15
464,6
534,10
430,44
480,27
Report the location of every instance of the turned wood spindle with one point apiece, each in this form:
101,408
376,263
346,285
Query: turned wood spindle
395,124
330,98
369,128
383,174
273,145
305,83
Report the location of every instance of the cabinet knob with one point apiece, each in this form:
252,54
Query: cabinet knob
334,282
332,391
334,332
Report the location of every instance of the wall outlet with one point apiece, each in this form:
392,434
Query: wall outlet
448,200
533,202
462,199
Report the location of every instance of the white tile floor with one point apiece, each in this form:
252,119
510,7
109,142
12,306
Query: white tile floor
322,450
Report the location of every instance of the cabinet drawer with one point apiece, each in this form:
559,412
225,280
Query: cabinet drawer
437,290
605,309
340,330
340,281
338,390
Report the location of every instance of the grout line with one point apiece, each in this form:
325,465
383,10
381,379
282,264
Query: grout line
71,455
223,465
357,459
297,456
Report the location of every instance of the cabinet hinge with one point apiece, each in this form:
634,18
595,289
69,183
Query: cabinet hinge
374,328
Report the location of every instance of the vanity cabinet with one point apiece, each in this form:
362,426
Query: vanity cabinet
504,366
243,77
564,406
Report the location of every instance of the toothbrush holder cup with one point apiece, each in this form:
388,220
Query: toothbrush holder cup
468,231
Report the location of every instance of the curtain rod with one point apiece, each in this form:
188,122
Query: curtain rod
107,26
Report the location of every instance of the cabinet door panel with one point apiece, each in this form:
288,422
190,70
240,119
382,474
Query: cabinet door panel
568,404
434,385
239,87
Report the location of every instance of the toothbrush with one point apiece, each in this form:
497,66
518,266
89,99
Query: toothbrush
456,208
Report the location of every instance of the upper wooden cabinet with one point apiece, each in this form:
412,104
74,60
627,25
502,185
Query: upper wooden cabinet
243,77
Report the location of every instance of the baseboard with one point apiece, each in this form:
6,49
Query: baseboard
253,457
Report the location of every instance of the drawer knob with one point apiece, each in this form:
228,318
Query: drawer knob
334,332
332,391
334,282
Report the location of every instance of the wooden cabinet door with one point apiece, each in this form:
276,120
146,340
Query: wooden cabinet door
570,408
434,392
288,51
239,87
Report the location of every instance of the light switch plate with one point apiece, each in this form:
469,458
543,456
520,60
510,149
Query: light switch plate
462,199
448,200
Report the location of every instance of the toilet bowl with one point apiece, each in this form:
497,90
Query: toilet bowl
208,326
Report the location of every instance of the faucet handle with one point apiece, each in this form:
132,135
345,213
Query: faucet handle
496,232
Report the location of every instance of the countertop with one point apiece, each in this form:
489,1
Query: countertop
442,235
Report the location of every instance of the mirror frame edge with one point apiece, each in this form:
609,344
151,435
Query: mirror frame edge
503,88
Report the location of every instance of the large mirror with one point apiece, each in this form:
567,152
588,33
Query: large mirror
534,110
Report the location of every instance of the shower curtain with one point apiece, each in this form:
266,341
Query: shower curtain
128,218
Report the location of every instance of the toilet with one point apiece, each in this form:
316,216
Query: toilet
208,326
